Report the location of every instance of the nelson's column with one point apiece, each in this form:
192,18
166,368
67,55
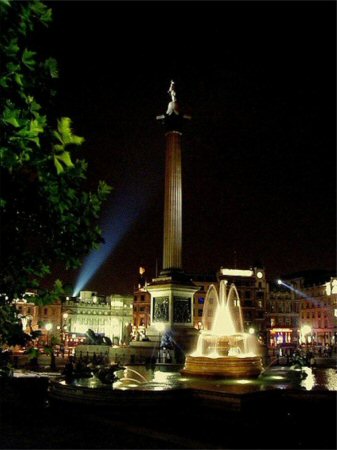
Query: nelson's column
172,292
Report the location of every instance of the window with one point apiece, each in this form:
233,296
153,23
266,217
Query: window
45,311
142,309
201,300
247,294
199,312
142,298
28,310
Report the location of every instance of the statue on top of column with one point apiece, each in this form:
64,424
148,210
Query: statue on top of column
172,92
173,105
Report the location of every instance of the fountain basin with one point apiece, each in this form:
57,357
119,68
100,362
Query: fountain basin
223,366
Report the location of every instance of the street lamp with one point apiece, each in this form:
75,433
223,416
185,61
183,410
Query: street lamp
64,328
48,327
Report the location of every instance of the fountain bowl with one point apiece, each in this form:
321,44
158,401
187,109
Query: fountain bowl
223,366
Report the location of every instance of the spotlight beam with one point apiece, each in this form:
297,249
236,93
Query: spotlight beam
297,291
118,220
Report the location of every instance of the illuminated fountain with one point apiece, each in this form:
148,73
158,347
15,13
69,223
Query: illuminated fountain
223,348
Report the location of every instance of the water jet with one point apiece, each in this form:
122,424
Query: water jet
223,348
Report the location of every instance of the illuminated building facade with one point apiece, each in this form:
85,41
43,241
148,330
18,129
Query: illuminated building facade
109,316
302,309
46,318
141,309
282,318
28,312
319,312
141,303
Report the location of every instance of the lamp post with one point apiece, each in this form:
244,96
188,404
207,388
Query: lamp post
64,326
48,327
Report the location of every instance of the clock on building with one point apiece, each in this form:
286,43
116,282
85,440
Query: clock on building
259,274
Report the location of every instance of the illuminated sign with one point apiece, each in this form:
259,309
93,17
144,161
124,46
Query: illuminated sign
237,272
281,330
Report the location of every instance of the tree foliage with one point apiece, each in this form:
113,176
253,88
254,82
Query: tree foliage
47,213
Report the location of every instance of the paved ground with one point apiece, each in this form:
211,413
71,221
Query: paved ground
284,424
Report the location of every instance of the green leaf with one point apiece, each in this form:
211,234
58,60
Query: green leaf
4,81
65,137
47,17
5,2
28,58
51,65
11,116
66,159
59,167
12,47
35,127
18,79
64,128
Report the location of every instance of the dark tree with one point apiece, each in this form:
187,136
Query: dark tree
47,213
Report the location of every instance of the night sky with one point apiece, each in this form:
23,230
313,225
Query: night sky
259,168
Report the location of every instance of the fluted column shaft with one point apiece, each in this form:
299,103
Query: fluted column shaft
173,203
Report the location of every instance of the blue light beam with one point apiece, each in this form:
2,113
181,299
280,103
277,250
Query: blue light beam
301,293
116,223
